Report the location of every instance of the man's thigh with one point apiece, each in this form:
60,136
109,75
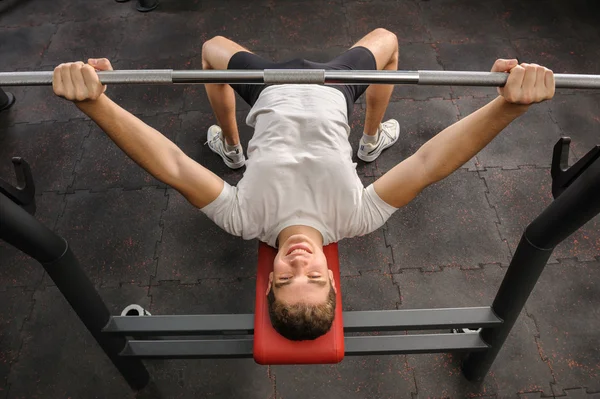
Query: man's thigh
355,59
247,60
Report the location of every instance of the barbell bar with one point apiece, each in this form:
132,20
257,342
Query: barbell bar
299,76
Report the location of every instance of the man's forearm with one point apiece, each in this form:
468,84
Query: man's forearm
145,145
455,145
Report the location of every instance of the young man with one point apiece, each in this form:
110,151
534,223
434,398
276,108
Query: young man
300,190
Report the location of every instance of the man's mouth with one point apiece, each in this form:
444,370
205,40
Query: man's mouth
299,249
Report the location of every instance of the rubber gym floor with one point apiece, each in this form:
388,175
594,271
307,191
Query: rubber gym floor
141,242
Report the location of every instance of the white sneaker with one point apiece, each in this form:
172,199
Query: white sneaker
233,159
388,134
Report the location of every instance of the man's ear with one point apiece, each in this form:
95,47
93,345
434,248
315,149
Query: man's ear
332,281
270,283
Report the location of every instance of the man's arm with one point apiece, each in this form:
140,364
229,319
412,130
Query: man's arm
455,145
158,155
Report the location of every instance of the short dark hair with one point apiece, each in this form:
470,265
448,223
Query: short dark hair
302,321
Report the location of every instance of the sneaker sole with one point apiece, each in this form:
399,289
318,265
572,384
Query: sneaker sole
230,165
374,156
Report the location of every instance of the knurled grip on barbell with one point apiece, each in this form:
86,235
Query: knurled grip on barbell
298,76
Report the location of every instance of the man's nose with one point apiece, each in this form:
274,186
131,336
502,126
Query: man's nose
299,261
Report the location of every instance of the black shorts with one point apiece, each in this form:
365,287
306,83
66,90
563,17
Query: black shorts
357,58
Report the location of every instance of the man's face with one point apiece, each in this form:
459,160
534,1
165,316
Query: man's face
300,272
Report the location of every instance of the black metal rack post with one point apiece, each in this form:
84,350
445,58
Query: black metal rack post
21,230
572,208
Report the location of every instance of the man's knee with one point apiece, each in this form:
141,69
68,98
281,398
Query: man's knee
387,35
207,46
389,41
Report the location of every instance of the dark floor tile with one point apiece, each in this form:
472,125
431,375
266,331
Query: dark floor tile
99,10
18,269
61,359
518,367
478,56
578,118
104,165
556,19
354,377
476,21
209,296
246,23
193,247
16,307
579,393
23,47
519,196
147,99
562,55
526,20
369,291
400,17
79,41
114,233
19,13
51,149
165,36
448,224
208,378
38,104
368,252
415,57
300,25
564,306
526,141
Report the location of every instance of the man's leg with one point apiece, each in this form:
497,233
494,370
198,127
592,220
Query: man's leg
384,46
216,54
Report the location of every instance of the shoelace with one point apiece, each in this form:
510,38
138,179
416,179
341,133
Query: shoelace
386,132
214,139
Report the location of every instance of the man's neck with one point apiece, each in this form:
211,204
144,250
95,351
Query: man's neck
310,232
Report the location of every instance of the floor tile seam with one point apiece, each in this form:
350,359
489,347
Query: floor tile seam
79,157
575,259
107,190
537,337
42,122
344,8
72,190
45,49
426,26
498,221
273,377
21,344
201,280
60,21
159,241
565,394
441,268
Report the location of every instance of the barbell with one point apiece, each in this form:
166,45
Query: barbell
299,76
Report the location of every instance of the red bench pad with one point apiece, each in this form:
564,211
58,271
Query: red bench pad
272,348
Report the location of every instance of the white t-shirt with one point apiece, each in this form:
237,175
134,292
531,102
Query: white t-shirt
299,171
